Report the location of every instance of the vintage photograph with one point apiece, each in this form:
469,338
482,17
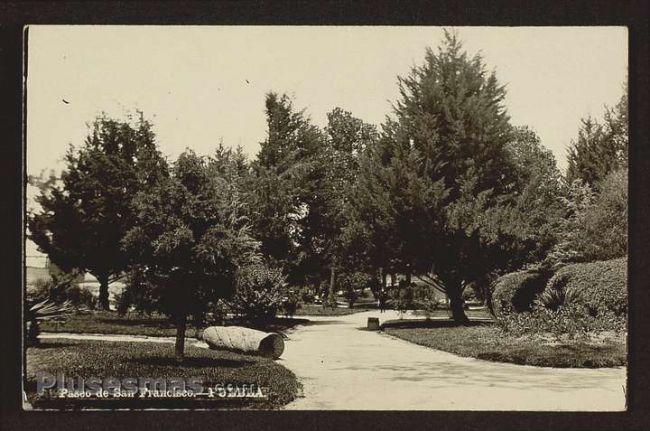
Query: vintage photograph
325,218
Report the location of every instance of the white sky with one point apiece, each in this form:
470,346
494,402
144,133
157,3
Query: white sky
191,82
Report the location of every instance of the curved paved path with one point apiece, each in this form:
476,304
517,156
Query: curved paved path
344,368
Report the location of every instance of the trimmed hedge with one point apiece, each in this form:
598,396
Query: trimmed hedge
601,287
515,292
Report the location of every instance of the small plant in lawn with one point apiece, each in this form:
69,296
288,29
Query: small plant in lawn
556,297
44,310
61,287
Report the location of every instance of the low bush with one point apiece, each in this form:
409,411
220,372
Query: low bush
469,295
427,300
307,295
598,287
404,296
138,294
516,292
351,283
260,293
290,303
568,321
63,287
579,299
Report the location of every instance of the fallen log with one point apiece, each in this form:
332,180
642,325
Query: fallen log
244,340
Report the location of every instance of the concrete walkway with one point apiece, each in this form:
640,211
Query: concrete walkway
344,368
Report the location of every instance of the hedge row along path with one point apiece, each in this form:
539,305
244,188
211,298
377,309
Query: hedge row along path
344,368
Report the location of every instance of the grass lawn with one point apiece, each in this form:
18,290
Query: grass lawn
472,314
108,322
318,310
105,359
490,343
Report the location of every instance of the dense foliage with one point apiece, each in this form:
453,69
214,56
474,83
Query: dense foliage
516,291
188,241
600,287
62,287
578,299
260,293
600,148
437,193
447,193
84,215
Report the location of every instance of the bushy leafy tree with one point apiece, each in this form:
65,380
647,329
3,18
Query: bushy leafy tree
334,168
189,241
84,215
595,224
537,212
595,195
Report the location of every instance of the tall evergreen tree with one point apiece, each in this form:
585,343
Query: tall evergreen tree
85,215
445,173
600,148
282,176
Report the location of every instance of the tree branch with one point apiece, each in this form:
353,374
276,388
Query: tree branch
433,283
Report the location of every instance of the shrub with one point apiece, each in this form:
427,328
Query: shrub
138,293
375,286
404,296
307,295
569,320
596,226
556,297
216,313
63,287
44,310
600,287
578,299
260,292
350,282
350,294
290,303
426,299
515,292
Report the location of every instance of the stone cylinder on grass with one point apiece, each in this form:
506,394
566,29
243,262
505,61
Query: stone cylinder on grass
373,324
244,340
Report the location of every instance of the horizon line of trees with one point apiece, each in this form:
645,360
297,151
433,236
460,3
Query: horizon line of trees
447,192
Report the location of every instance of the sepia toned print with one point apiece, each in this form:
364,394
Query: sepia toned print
326,218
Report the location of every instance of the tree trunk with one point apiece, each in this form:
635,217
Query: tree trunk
331,297
456,304
103,292
383,279
179,348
